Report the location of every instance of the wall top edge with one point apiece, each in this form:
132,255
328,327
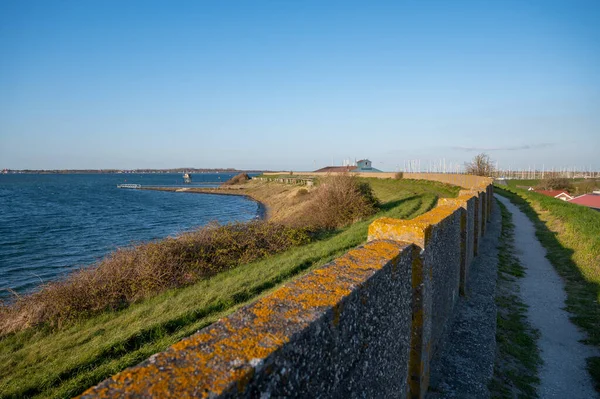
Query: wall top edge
217,358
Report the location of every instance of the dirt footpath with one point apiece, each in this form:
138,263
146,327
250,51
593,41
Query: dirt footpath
563,374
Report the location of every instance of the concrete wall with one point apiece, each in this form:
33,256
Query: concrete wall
365,325
468,202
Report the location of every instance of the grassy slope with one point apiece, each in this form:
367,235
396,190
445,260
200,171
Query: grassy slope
64,363
571,235
517,356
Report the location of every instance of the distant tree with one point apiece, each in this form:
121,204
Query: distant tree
481,165
586,187
555,183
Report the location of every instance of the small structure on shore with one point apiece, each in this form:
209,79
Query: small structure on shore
364,165
187,178
134,186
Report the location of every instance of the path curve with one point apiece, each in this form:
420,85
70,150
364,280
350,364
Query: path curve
563,374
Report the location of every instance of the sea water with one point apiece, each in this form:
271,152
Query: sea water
51,224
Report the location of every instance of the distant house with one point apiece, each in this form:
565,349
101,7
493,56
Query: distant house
589,200
559,194
364,165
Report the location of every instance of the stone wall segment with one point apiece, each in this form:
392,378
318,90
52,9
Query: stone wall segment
467,252
342,330
438,233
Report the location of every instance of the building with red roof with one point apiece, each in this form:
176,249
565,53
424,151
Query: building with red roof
559,194
589,200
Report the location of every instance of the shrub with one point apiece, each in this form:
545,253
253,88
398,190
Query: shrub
237,179
338,201
399,175
555,183
131,274
586,187
302,192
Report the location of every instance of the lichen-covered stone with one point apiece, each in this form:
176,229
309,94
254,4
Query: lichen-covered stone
341,331
467,201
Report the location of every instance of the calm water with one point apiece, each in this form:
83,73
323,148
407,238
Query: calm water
52,224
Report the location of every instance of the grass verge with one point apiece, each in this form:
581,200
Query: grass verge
517,356
44,363
571,235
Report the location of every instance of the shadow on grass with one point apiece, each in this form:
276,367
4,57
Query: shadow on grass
582,295
388,206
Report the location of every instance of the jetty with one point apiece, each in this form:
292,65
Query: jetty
132,186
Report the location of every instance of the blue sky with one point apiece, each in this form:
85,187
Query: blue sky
295,84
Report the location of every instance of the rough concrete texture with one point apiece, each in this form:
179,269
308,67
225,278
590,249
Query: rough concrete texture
438,233
563,374
420,346
442,255
467,251
477,217
343,330
464,366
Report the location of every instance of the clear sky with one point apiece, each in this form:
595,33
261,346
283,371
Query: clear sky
295,84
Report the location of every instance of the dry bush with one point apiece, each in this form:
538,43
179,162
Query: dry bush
237,179
586,187
338,201
481,165
132,274
302,192
399,175
555,183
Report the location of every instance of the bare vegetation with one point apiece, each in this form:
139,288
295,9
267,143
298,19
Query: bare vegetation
586,187
131,274
555,183
481,165
237,179
301,192
338,201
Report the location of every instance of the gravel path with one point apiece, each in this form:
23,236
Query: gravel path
563,374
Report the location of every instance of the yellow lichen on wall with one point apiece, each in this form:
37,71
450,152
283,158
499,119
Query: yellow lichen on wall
416,231
220,357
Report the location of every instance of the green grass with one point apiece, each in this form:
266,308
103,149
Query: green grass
44,363
517,355
512,183
571,235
